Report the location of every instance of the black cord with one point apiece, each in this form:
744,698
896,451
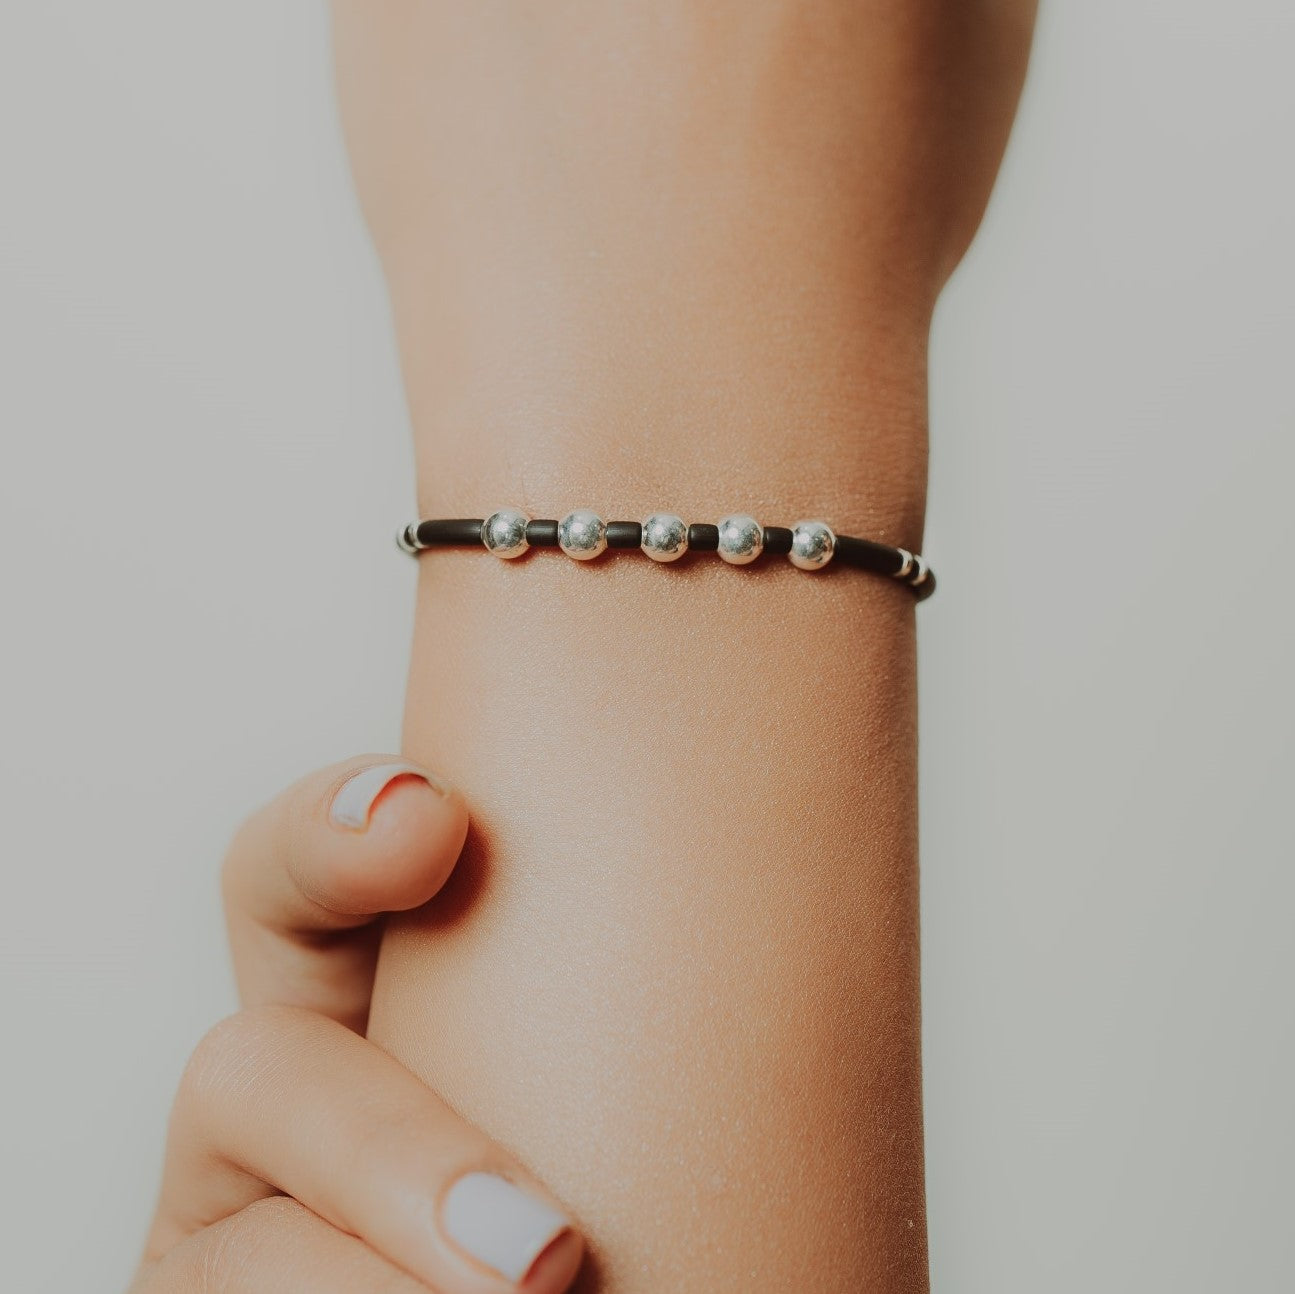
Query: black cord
864,554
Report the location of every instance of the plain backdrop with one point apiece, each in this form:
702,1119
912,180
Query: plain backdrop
205,455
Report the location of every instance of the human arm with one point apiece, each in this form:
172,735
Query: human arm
677,256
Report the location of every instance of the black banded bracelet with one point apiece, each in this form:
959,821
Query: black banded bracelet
738,539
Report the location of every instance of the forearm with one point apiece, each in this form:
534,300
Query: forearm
677,969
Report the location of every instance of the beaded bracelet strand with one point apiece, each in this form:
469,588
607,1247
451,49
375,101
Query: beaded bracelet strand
664,537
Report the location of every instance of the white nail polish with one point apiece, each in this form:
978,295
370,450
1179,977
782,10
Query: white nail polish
493,1220
354,798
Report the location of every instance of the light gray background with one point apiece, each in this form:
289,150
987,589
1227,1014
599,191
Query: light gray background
194,341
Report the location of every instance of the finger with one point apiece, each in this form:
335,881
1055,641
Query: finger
281,1098
273,1246
309,873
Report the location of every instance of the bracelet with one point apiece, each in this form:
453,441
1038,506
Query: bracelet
664,537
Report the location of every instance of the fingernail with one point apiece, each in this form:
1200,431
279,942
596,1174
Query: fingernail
498,1223
353,800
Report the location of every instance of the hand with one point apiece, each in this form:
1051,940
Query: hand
299,1155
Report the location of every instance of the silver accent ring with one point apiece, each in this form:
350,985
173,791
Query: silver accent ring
902,573
405,541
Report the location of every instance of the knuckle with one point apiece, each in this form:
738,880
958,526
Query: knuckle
210,1060
240,848
274,1215
232,1255
233,1054
220,1262
270,829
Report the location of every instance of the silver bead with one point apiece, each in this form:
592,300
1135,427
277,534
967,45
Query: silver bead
504,532
812,545
582,534
665,537
741,539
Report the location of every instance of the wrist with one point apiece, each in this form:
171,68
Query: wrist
810,434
